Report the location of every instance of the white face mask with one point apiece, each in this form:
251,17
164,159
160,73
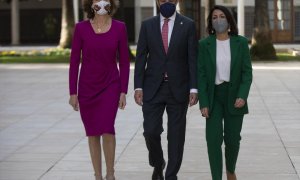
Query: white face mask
99,7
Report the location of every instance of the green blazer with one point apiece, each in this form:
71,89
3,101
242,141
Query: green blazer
240,72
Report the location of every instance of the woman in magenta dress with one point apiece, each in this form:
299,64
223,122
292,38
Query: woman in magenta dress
101,87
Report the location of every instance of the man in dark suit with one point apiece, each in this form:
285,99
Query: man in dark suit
165,78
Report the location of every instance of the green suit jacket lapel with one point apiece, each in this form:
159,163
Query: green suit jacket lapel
212,49
234,49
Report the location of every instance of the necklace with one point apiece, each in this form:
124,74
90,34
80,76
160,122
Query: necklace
99,28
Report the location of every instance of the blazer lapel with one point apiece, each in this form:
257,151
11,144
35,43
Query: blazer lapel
176,32
157,30
211,47
234,49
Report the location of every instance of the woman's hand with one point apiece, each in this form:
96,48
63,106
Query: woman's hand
122,101
73,101
239,103
204,112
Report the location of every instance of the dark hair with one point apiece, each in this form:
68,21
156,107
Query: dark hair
87,7
232,24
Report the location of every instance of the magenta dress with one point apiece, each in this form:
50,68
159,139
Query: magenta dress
100,81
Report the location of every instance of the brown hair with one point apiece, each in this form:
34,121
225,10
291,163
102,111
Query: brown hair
233,28
87,7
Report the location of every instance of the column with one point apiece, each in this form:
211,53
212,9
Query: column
178,8
138,18
15,22
241,17
154,8
76,10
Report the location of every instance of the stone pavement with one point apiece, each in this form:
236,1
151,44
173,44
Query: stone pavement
42,138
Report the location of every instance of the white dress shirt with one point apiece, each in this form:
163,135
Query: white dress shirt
223,61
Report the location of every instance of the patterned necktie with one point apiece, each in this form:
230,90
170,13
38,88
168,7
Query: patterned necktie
164,34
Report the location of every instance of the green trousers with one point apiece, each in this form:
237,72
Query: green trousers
216,132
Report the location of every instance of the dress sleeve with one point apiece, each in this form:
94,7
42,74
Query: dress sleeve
124,62
75,61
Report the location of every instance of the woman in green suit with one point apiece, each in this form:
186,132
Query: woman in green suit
224,79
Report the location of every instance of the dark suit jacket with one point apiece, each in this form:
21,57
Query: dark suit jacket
240,72
179,63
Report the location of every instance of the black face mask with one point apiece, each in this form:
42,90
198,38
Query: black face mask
167,9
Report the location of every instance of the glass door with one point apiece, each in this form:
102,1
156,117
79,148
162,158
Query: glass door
281,20
192,9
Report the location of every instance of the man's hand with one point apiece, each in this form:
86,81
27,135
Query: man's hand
239,103
193,99
138,97
73,101
204,112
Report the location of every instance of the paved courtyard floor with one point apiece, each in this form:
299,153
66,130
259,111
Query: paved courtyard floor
42,138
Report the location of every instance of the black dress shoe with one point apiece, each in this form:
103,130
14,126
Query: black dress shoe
158,172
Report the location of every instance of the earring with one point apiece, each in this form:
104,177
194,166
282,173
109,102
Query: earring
229,29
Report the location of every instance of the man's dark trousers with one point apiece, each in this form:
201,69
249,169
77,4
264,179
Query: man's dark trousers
153,119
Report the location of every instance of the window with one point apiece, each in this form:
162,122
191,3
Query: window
297,23
271,9
280,14
284,14
227,1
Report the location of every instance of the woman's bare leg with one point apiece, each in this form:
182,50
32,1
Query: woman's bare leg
231,176
109,147
95,151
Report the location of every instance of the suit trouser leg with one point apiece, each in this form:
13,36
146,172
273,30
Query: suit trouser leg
176,136
214,133
153,112
232,129
214,140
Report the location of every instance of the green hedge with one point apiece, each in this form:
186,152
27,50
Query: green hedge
63,55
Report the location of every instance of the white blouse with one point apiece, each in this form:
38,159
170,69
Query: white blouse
223,61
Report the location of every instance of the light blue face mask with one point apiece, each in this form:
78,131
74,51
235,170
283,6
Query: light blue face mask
220,25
